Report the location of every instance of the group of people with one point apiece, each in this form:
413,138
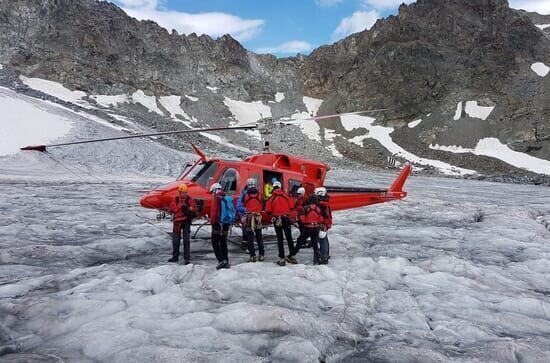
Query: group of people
311,213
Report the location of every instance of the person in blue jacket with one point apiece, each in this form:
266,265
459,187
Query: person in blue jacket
241,212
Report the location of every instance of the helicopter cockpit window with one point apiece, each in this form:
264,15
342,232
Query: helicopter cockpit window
293,186
229,181
203,173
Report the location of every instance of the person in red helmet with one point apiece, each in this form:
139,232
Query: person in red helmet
184,209
253,205
278,206
311,218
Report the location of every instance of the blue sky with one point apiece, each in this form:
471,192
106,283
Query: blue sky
282,27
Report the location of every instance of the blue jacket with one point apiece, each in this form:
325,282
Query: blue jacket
240,206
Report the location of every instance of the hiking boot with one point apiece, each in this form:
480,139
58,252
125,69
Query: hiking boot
281,262
252,259
324,262
173,259
291,259
186,262
220,265
226,264
261,258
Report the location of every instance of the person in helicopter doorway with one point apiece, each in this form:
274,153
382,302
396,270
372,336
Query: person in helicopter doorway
278,207
253,206
184,209
220,228
312,218
268,188
324,203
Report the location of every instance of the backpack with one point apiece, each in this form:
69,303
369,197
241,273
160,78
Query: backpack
228,213
250,197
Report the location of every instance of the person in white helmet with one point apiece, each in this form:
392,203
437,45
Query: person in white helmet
324,247
219,229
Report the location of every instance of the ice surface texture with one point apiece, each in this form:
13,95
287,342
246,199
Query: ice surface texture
458,271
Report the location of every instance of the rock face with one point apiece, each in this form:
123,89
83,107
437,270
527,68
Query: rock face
95,46
427,62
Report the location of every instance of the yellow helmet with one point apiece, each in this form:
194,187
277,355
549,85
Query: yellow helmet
182,188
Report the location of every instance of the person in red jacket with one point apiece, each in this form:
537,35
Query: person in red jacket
312,218
278,206
219,229
253,206
184,209
324,203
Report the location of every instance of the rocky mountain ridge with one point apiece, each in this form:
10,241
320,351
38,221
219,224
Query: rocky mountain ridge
423,64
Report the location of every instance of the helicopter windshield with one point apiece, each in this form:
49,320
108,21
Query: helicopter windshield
203,173
186,168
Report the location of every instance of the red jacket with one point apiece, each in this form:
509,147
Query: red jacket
181,205
279,204
216,206
311,214
299,204
253,201
327,213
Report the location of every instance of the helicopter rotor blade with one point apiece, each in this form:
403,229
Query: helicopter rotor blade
324,117
43,148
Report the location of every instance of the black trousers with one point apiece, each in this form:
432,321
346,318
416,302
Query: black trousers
259,239
286,228
254,229
179,230
308,232
219,241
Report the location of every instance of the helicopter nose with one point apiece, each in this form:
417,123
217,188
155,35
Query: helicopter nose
153,201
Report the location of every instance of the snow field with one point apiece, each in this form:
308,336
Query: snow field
457,268
26,121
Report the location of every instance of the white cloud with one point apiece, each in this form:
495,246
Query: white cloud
327,3
292,47
540,6
147,4
385,4
358,21
214,24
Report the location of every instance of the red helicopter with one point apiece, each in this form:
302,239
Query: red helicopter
291,171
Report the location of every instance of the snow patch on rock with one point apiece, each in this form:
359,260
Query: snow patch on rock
172,105
312,104
110,100
476,111
382,135
26,122
415,123
149,102
540,69
212,89
542,26
222,141
492,147
191,98
458,112
56,89
279,96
